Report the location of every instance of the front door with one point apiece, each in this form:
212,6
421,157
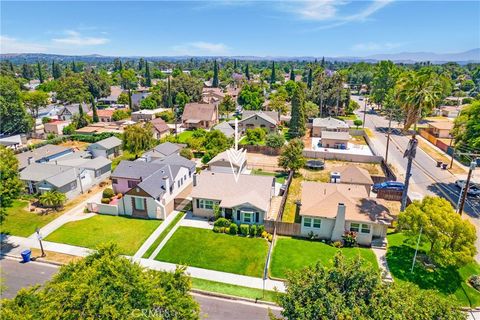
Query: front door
228,213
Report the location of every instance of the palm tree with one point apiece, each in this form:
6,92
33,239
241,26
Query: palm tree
52,199
418,93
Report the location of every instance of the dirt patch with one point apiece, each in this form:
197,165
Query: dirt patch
52,256
79,145
263,161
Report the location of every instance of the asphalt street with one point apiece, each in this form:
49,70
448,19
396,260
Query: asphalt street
18,275
427,178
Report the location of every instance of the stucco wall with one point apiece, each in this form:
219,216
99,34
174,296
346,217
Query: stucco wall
325,231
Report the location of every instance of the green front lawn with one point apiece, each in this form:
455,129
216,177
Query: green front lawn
162,236
448,281
205,249
291,254
184,136
127,233
279,176
20,222
234,290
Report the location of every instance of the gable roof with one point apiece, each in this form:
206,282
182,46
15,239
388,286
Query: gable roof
272,114
73,108
61,179
160,125
225,128
223,157
322,199
199,111
267,117
167,148
252,189
45,151
41,171
135,169
109,143
175,160
353,174
329,123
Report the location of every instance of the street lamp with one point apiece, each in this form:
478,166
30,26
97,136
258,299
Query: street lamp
364,112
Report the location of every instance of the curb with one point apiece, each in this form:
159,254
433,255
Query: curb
55,263
230,297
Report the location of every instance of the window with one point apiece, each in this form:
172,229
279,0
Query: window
365,228
206,204
238,215
307,222
317,223
178,184
257,217
132,183
185,177
354,227
139,204
114,181
73,185
247,217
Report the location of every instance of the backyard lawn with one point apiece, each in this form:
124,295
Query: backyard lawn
184,136
20,222
294,254
280,177
448,281
205,249
127,233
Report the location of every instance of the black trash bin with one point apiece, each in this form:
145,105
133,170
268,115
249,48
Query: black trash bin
444,166
439,164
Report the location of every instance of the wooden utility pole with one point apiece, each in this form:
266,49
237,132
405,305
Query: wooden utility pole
410,154
464,194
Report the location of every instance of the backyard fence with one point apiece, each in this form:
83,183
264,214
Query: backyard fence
262,149
332,155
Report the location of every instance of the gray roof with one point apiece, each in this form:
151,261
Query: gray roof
39,153
138,97
152,185
41,171
335,135
176,159
73,108
271,116
167,148
109,143
225,128
135,169
63,178
330,123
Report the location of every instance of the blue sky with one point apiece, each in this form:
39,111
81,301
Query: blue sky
262,28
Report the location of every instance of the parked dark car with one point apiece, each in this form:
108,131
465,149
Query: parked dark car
388,185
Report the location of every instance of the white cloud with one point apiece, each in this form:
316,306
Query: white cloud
329,11
201,48
375,46
13,45
77,39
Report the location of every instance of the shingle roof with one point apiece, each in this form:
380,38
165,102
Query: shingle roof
41,171
270,116
135,169
353,174
109,143
330,123
442,125
225,128
336,135
223,157
198,111
255,190
175,159
61,179
167,148
39,153
160,125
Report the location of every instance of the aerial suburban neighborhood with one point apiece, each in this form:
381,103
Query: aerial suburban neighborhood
273,178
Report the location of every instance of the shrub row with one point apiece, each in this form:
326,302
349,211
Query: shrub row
223,225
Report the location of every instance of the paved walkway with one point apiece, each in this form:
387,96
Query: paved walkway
196,222
218,276
148,243
165,240
13,245
380,254
76,213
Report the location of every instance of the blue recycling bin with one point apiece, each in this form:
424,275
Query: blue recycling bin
26,254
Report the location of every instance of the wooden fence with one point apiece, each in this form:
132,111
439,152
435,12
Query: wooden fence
283,228
393,195
262,149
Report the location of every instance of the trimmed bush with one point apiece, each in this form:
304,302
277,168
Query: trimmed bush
349,239
244,228
233,228
270,237
226,230
260,229
105,200
222,222
337,244
264,234
253,230
108,193
216,229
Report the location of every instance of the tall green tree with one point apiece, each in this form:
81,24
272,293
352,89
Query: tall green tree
148,78
72,89
106,285
466,130
128,81
247,72
34,100
292,75
292,157
251,97
272,74
94,111
13,115
40,72
74,67
141,63
97,84
450,237
384,79
227,105
352,289
82,120
27,71
10,184
56,71
297,126
137,138
310,78
215,74
169,94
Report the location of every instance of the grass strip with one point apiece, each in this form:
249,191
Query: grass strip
162,236
234,290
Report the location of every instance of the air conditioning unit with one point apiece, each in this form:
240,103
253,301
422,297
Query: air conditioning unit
335,177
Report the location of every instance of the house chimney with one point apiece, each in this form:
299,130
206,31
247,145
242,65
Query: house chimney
339,227
298,206
194,179
166,183
30,160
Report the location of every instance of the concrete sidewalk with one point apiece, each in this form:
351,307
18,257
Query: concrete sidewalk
13,245
165,240
76,213
151,239
219,276
380,254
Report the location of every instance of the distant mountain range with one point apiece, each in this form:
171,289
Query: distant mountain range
403,57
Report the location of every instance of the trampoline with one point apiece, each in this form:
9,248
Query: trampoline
315,164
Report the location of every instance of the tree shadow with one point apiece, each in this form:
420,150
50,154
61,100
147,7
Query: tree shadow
5,245
443,279
375,209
